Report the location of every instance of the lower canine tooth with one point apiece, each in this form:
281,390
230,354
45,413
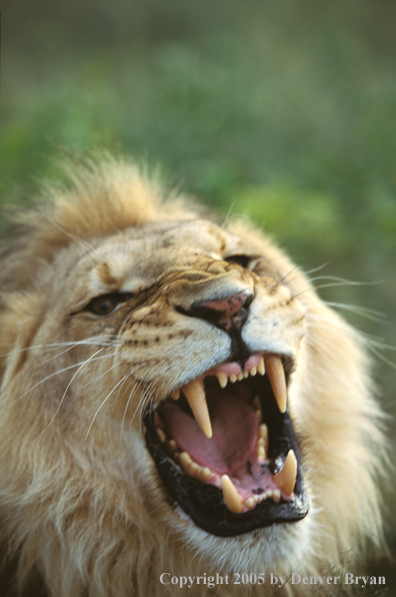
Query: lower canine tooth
231,497
286,478
276,374
196,398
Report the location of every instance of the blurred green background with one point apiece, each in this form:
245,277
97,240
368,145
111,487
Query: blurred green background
283,110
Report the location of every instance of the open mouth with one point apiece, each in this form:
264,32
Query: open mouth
225,448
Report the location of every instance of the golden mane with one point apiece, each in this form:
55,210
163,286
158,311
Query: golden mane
117,296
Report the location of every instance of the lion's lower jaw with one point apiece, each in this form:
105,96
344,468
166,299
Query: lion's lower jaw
130,565
280,548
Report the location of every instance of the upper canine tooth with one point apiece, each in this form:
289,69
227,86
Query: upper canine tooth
261,366
231,497
196,398
223,379
176,394
286,478
276,374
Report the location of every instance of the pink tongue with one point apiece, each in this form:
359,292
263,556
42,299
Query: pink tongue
234,425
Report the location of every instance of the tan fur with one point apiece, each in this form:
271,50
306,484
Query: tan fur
81,503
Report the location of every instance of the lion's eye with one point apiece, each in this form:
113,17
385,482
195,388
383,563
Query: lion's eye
242,260
106,303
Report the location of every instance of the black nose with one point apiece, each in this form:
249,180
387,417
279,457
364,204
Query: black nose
228,313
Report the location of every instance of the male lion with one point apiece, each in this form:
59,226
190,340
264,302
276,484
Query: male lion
176,401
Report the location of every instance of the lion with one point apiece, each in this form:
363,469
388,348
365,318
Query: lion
176,402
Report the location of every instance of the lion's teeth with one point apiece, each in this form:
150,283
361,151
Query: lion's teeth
286,478
233,378
223,379
250,503
263,433
185,459
261,366
176,394
276,495
276,374
196,398
206,473
240,377
231,497
253,371
161,435
171,446
260,453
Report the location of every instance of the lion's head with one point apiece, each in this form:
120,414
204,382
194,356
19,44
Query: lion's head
175,398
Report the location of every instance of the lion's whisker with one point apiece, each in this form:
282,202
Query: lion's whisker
142,401
93,341
131,393
128,374
345,281
65,392
371,314
375,350
148,400
104,373
55,373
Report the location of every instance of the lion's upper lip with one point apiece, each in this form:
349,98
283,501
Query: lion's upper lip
255,466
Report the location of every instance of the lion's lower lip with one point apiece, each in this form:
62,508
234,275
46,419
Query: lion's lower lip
240,478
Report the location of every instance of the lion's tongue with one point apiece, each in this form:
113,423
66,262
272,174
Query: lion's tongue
234,425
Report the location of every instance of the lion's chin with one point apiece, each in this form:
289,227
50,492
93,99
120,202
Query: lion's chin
225,448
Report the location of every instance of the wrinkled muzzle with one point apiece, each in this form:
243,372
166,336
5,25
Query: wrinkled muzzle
223,442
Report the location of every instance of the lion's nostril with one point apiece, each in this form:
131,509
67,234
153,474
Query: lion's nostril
227,312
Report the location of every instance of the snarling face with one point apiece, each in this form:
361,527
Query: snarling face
209,337
222,438
180,378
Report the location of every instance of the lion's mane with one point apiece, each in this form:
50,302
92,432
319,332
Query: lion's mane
86,513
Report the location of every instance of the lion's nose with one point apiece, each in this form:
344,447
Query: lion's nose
226,313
